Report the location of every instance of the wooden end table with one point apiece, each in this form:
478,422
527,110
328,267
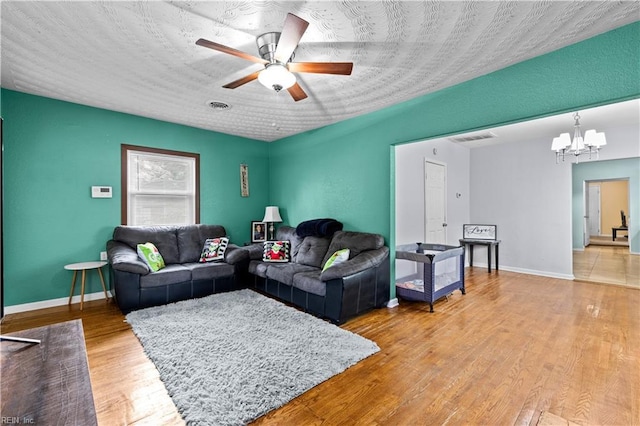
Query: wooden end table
489,243
84,267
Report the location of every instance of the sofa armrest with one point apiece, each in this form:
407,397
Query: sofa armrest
123,258
361,262
254,250
235,255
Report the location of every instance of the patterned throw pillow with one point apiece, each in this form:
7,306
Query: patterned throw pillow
151,256
337,258
214,249
276,251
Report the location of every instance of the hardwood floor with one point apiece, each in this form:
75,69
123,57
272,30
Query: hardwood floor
514,346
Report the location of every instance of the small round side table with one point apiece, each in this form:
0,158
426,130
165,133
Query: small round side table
84,267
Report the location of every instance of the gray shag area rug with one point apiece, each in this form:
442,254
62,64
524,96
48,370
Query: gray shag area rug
228,358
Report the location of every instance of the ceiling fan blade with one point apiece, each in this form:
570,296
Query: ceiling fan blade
230,50
239,82
342,68
292,31
296,92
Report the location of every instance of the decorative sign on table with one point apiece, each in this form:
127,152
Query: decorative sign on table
479,232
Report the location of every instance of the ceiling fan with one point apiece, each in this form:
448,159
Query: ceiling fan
276,51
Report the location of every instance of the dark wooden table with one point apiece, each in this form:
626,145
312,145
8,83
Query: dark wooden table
489,243
47,383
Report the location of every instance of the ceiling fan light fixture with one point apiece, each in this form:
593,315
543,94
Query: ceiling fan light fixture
276,76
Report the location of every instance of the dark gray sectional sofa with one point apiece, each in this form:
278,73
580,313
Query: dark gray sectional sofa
340,292
135,286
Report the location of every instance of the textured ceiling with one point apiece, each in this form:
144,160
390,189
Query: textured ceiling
141,57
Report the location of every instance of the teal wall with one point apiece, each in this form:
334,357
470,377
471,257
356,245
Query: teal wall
55,151
628,168
344,170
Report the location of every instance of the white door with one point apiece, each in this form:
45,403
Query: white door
585,218
593,214
435,176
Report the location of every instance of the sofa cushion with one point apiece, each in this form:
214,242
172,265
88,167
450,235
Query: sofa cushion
276,251
259,268
190,240
356,242
312,251
163,237
172,274
310,282
208,271
284,272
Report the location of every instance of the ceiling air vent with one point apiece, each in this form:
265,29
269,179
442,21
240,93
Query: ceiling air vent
472,138
218,106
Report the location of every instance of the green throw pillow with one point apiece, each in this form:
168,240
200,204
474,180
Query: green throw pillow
337,258
151,256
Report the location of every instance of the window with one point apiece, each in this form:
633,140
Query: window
159,187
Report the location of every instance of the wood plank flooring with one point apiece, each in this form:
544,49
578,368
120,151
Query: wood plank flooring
513,347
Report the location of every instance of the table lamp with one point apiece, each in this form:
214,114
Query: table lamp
271,215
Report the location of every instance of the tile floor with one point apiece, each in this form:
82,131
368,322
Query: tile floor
607,264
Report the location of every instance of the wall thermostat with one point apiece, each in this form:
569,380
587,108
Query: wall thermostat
101,192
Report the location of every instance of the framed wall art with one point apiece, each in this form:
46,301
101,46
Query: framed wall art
244,180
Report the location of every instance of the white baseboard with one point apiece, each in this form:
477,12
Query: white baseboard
538,273
14,309
393,303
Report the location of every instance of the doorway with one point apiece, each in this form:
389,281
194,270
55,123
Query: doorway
606,258
606,201
435,203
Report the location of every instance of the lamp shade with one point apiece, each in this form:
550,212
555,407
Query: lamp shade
595,139
601,140
557,144
561,142
272,214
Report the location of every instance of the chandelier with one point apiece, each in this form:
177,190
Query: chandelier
590,144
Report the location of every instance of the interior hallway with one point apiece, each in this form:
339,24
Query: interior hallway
607,264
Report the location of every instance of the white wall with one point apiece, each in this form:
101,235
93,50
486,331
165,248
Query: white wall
519,187
622,142
410,221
